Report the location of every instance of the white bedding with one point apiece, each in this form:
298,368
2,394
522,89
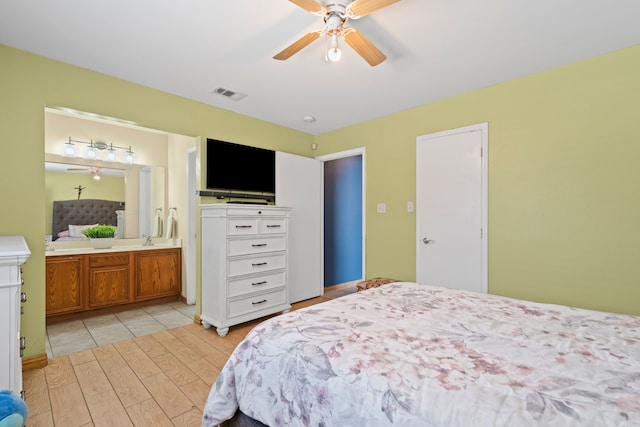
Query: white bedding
415,355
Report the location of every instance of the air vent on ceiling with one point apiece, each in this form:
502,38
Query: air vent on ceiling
228,93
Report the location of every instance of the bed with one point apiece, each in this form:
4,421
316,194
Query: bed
408,354
67,213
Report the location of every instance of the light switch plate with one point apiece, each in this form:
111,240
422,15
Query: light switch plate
381,208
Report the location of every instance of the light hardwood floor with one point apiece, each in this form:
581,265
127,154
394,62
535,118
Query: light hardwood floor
161,379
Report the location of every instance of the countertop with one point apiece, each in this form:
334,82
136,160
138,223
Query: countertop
119,245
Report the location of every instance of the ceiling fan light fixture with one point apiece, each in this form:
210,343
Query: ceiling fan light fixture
96,175
335,14
333,53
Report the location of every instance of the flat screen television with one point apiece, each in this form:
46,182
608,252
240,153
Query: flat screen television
242,168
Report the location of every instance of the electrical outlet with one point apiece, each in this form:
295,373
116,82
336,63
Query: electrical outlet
381,208
409,206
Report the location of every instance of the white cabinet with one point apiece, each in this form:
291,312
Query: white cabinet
244,263
13,253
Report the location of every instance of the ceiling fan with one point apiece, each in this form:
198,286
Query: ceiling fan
95,172
335,15
88,168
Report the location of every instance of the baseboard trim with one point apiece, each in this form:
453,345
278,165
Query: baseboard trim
35,362
196,319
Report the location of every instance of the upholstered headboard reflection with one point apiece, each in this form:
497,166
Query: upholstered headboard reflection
83,212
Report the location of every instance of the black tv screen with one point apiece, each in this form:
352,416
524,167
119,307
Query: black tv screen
239,167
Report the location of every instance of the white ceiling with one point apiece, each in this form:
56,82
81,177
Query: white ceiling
435,48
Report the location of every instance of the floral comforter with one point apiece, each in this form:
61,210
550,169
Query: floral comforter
407,354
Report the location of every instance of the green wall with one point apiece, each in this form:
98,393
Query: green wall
28,84
564,197
62,186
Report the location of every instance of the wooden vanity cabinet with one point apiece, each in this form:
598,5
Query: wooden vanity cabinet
63,278
95,281
157,273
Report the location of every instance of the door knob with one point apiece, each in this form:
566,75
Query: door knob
427,241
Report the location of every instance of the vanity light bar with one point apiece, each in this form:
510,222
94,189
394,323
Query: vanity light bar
92,152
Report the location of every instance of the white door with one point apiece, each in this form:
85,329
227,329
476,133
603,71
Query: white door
451,207
299,186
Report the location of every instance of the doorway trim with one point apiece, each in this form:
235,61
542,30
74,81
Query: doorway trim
362,151
483,128
190,238
144,202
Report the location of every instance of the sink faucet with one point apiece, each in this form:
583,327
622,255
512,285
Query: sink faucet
148,241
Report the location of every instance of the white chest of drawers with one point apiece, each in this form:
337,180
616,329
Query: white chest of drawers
13,253
244,263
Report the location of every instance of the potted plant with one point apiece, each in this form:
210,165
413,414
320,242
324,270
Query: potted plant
101,236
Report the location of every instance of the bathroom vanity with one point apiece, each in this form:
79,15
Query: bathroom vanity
82,281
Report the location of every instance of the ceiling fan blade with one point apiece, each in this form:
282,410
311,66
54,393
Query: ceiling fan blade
361,8
363,47
309,5
297,46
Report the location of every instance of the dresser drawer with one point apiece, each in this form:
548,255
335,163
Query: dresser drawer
257,264
239,226
243,306
272,225
256,283
256,245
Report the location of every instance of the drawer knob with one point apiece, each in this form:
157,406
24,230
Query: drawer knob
259,302
258,245
258,264
244,226
264,282
273,225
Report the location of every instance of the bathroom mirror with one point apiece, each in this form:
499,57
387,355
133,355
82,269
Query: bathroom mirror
67,178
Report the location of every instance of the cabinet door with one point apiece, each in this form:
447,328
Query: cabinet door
109,279
63,275
108,286
158,274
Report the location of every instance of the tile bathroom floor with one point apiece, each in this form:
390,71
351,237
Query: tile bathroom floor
79,335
